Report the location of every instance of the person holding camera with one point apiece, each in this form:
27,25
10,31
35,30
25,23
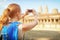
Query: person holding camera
12,25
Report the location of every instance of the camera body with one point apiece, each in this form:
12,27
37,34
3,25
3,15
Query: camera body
30,10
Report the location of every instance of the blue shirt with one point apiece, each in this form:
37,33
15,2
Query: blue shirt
10,32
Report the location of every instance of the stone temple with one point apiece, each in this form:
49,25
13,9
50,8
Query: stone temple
46,21
48,27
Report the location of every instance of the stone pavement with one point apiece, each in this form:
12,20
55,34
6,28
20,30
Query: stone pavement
42,35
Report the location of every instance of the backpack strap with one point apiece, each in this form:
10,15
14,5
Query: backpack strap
4,33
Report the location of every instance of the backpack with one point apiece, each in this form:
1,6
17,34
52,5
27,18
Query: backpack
10,32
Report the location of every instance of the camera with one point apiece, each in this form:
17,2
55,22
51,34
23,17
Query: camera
30,10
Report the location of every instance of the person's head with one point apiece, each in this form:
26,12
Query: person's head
14,11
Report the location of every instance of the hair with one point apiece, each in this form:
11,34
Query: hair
4,18
15,8
11,11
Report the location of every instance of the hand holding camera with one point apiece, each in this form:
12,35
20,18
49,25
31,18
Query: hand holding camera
30,11
33,12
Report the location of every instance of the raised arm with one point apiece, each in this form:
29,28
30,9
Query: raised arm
29,26
26,27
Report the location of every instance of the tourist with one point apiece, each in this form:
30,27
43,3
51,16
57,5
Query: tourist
12,26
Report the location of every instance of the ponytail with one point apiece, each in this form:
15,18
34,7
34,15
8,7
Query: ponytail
4,18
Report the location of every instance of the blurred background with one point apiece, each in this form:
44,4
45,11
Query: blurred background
48,12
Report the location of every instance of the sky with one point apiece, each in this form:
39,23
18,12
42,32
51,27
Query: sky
31,4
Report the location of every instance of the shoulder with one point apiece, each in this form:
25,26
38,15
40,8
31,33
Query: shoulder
20,25
15,23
